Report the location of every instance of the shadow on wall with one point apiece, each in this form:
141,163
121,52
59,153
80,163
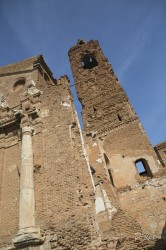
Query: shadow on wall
161,243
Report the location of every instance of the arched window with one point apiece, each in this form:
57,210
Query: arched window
19,84
143,167
89,61
107,162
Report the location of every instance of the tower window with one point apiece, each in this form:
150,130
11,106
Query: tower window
143,167
89,62
119,117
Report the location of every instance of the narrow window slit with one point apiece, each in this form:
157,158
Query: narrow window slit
120,117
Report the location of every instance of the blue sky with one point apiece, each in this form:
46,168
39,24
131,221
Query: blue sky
132,34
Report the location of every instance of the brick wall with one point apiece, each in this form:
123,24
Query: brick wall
64,194
93,199
115,142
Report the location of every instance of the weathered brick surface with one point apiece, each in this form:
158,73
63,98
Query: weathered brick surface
93,199
115,141
99,90
64,194
146,203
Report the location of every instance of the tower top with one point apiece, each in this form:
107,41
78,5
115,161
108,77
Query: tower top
83,44
80,41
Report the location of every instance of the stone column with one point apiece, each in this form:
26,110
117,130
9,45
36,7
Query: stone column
27,201
28,233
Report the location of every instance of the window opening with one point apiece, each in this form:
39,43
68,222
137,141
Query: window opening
143,167
19,84
120,117
89,62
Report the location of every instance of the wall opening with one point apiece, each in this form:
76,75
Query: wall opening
107,162
119,117
19,84
143,167
89,61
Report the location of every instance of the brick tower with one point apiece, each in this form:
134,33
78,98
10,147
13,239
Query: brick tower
108,114
121,157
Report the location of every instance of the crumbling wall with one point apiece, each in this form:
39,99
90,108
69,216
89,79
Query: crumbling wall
105,104
115,142
87,195
68,188
146,204
108,114
124,146
64,192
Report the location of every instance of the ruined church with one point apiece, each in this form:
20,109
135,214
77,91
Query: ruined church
102,187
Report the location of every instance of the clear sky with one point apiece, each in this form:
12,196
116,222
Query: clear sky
132,34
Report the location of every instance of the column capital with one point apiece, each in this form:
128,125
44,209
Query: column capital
27,130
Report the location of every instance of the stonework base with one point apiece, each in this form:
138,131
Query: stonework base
27,237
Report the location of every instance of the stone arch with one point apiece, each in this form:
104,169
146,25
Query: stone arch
142,167
19,84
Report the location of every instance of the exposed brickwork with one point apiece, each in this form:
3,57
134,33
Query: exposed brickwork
115,142
88,192
64,193
138,203
99,90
